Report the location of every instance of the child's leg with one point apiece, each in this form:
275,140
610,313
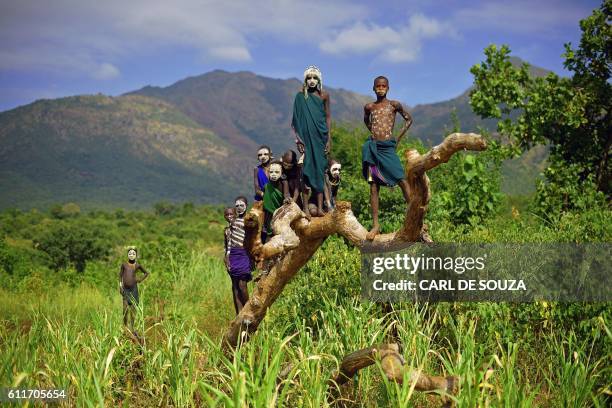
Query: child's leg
404,186
126,311
374,188
265,234
131,315
244,292
305,198
320,212
236,295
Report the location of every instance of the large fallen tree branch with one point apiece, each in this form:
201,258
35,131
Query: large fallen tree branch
394,368
297,238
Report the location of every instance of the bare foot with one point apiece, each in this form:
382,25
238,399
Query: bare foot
319,213
373,232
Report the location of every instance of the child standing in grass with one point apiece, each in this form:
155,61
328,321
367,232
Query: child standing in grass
229,214
238,259
128,287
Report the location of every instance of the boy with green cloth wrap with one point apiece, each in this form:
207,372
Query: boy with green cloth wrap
311,123
274,194
380,164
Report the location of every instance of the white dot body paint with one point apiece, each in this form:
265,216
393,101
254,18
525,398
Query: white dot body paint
131,255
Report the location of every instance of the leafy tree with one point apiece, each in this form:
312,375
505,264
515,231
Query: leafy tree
73,244
68,210
8,258
572,115
164,208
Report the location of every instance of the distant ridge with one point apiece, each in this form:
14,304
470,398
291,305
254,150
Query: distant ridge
191,141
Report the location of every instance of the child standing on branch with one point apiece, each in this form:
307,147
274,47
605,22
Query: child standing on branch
261,171
312,123
380,164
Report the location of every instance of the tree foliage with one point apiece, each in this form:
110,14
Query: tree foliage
73,244
572,115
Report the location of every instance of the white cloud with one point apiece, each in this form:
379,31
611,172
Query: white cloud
401,44
49,60
91,37
105,71
238,54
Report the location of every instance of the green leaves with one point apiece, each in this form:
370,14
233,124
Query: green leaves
571,115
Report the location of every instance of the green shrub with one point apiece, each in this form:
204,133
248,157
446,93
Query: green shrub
72,244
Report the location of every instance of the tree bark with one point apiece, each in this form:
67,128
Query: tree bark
394,367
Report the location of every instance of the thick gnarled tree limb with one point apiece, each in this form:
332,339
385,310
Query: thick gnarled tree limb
297,239
394,368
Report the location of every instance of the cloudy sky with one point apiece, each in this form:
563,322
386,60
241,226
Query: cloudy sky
67,47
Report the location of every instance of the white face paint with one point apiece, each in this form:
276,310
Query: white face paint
335,170
240,207
312,81
263,155
131,255
276,171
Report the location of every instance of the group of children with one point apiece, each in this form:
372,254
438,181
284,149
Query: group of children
281,181
312,179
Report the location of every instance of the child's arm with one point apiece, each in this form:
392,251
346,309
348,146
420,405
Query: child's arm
144,271
366,116
407,118
258,192
296,194
327,107
121,279
286,194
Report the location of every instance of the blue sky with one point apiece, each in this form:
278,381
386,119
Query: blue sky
68,47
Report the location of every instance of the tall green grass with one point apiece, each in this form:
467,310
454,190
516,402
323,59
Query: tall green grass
72,337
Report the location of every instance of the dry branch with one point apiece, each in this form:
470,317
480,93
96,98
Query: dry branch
394,367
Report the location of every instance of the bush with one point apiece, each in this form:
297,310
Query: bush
564,191
466,190
72,245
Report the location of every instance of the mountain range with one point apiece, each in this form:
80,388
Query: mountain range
194,140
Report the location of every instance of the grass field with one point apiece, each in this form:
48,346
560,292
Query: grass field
71,337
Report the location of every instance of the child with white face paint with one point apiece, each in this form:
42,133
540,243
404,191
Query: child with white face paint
229,214
311,123
240,263
275,193
332,182
261,171
128,287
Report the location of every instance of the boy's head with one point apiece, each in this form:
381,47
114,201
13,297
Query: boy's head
381,86
313,78
229,214
240,203
276,170
334,168
263,154
289,160
132,254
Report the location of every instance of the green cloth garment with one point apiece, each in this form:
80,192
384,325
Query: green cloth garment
272,200
381,154
310,124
